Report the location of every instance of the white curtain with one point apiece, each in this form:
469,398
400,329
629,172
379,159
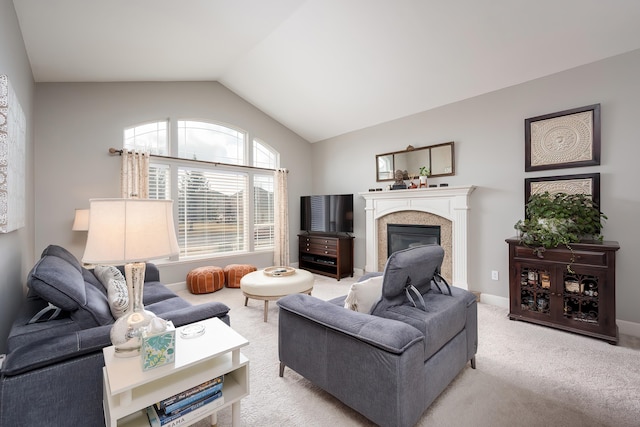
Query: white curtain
281,219
134,175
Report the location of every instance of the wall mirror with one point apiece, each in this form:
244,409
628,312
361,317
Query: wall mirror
438,158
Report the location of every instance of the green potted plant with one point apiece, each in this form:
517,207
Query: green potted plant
559,219
424,173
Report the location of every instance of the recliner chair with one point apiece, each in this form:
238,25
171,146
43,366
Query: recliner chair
391,364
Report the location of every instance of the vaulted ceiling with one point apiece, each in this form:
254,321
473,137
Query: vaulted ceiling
326,67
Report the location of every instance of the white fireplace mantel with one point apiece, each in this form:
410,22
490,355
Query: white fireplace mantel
451,203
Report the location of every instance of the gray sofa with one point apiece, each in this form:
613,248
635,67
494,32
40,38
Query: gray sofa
52,374
392,363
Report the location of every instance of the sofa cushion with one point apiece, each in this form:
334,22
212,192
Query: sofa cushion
444,318
116,286
364,294
60,281
62,253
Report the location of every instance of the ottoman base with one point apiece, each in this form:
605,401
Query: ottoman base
267,299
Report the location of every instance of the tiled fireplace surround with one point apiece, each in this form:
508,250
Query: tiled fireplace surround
447,207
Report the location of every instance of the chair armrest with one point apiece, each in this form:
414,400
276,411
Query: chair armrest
387,334
53,350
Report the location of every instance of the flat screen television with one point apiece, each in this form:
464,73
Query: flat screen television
327,213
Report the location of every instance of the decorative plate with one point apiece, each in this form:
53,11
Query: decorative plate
279,271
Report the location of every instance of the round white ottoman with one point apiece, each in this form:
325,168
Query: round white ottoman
258,285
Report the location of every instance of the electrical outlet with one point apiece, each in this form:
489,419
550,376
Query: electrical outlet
494,275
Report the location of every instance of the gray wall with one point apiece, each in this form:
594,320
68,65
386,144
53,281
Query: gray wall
488,131
76,124
16,248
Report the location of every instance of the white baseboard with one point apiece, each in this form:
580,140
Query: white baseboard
628,328
624,327
178,286
494,300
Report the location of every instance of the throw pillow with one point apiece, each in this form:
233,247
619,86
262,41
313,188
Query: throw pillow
116,286
363,295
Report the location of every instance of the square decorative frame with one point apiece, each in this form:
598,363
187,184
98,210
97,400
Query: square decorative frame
586,183
566,139
12,159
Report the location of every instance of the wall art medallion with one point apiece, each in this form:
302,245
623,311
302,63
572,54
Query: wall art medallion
12,159
587,183
566,139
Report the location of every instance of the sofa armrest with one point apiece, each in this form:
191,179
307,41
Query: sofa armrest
55,349
196,313
387,334
52,350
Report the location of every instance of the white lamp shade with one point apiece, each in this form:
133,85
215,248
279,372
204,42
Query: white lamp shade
130,230
81,220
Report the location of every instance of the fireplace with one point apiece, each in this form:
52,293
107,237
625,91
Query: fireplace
404,236
446,207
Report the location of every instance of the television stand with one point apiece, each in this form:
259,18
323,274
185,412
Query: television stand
327,255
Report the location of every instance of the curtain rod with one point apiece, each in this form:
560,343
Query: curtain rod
119,152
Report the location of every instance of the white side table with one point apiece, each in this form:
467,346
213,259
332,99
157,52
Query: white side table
128,390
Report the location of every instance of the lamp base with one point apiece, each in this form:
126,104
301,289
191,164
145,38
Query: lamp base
126,333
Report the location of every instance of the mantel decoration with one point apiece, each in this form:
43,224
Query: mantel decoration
565,139
131,231
424,174
12,159
559,219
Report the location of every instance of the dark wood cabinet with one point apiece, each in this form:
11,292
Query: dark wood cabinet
328,255
580,299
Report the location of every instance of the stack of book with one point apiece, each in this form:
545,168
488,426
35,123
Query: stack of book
188,405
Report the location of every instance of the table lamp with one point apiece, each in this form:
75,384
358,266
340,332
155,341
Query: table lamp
130,232
81,220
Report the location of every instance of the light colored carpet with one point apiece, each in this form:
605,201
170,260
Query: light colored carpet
527,375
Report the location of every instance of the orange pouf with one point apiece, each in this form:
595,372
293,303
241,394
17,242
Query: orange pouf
234,272
203,280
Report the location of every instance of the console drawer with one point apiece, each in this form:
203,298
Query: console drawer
319,241
598,258
319,249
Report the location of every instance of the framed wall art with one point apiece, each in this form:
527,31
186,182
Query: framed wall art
12,159
587,183
566,139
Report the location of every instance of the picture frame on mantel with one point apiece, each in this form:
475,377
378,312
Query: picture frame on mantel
566,139
586,183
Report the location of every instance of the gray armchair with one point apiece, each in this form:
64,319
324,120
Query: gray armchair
392,363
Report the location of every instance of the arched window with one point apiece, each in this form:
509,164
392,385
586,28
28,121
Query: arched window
218,211
263,215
